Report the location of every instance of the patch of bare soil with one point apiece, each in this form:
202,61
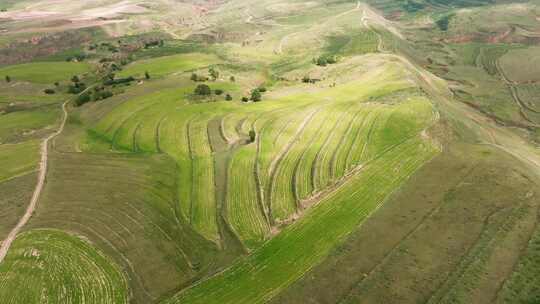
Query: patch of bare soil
500,36
25,15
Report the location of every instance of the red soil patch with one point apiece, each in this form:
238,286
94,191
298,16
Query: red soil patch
460,39
500,37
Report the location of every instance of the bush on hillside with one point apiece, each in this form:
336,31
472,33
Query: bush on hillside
256,95
203,90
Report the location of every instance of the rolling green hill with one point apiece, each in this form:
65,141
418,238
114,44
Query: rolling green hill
276,151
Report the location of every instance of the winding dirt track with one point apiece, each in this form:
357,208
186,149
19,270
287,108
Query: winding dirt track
6,244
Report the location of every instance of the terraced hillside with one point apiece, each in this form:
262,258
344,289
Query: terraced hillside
244,151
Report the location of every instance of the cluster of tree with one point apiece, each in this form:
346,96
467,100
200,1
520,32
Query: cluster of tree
76,86
198,78
325,60
105,45
256,95
203,90
110,80
98,93
212,74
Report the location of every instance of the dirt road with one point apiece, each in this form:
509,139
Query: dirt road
6,244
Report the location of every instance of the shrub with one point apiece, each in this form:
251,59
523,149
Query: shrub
252,135
321,61
262,89
76,88
256,95
218,91
194,77
8,79
127,80
214,73
82,99
232,79
228,97
444,22
49,91
245,99
203,90
146,75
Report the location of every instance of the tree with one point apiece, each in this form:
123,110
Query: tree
228,97
75,79
194,77
56,84
331,59
49,91
218,91
252,136
245,99
256,95
214,73
146,75
8,79
82,99
262,89
321,61
203,90
232,79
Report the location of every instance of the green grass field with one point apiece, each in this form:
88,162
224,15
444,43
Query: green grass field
44,72
402,171
18,159
296,249
166,65
55,267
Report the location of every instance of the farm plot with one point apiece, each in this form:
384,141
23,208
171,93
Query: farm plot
244,209
297,151
50,266
18,159
44,72
355,43
125,205
167,65
26,124
530,95
284,201
489,56
16,194
296,249
519,70
523,284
